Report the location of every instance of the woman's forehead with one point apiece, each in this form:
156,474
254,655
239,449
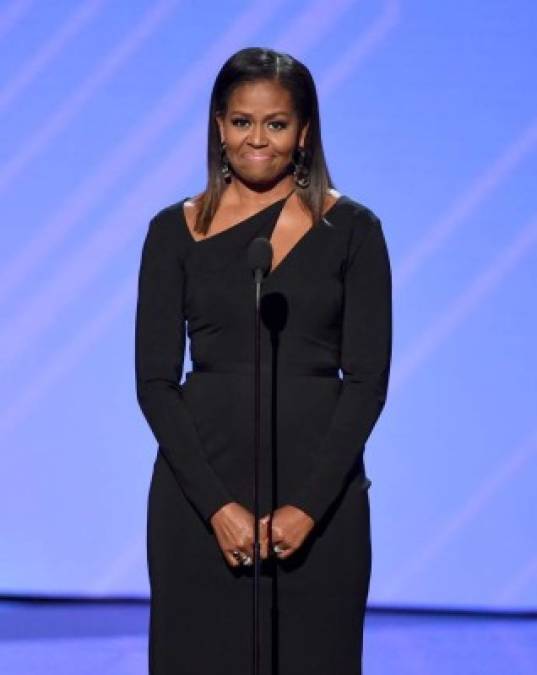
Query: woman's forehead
260,94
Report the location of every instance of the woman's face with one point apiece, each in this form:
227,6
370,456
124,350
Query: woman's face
261,131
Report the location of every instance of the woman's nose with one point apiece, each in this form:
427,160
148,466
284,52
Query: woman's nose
257,135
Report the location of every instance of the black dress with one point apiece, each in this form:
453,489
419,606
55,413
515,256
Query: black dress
325,306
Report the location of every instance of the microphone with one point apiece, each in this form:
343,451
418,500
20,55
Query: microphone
260,257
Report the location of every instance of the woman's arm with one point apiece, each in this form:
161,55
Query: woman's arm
159,354
365,361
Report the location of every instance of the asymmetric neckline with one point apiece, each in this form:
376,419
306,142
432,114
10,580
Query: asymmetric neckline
237,227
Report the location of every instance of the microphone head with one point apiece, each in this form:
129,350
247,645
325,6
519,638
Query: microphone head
260,255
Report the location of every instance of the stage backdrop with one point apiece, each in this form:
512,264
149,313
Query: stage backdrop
429,117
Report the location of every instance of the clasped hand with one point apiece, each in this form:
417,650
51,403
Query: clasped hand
233,525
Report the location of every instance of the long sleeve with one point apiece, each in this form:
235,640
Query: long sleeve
159,355
365,357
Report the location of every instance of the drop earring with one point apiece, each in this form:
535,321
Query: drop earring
301,173
224,163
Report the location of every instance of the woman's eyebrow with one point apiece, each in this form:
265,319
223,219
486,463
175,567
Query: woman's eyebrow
272,114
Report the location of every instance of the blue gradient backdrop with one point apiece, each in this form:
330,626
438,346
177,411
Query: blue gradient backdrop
429,116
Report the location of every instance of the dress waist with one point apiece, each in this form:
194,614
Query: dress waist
247,368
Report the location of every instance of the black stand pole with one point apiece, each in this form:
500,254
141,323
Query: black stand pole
257,446
259,261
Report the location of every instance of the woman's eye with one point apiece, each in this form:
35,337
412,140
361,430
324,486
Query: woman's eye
238,122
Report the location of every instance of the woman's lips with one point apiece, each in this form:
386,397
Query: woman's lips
257,157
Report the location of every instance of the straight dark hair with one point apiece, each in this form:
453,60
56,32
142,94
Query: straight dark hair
250,65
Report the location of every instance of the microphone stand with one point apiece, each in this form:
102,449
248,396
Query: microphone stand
259,261
260,255
258,276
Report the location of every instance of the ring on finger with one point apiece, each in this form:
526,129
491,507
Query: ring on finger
241,557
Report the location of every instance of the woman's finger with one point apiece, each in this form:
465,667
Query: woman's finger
281,549
231,560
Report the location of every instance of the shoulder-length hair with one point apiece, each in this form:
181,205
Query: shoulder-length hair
250,65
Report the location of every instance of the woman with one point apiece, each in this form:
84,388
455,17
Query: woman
326,305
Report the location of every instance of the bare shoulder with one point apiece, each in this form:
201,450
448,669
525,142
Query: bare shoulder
192,203
331,197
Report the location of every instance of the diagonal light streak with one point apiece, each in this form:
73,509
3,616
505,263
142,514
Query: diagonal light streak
303,33
114,61
45,54
456,312
40,310
513,589
366,43
516,460
114,232
463,304
118,568
71,354
14,12
481,188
